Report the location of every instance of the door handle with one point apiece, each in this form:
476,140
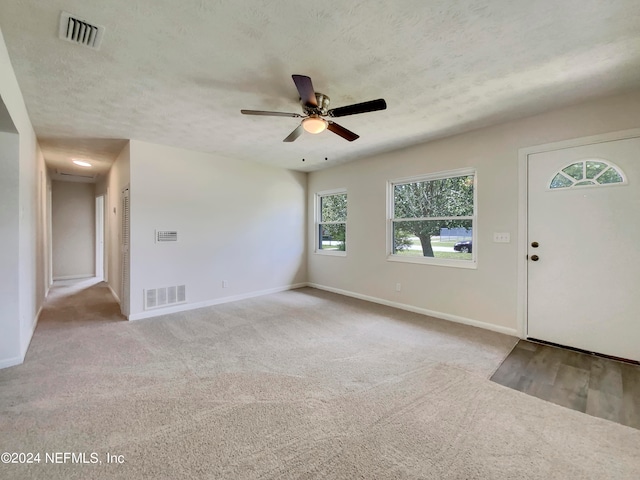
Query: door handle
535,258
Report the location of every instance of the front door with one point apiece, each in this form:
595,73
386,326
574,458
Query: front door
583,275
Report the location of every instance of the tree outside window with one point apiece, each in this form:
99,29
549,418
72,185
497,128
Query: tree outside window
430,214
332,222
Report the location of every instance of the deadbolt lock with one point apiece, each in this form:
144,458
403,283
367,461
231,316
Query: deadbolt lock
535,244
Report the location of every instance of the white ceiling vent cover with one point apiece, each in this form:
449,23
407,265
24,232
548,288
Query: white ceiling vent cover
72,175
81,32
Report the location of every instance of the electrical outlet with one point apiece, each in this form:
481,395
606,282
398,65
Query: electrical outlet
398,287
503,237
225,283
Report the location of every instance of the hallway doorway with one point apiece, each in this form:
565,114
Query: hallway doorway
100,260
78,302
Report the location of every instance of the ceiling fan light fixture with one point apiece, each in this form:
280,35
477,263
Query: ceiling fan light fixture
315,105
314,124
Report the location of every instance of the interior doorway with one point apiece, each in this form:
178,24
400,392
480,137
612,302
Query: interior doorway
100,237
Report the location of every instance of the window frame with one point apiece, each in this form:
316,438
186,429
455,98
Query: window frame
575,182
442,262
318,222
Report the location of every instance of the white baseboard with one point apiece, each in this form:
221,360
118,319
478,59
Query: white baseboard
35,321
431,313
11,362
34,324
115,295
74,277
156,312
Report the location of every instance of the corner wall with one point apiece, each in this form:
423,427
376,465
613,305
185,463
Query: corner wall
486,296
25,227
9,261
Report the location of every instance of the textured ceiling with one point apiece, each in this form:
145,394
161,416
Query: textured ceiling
178,73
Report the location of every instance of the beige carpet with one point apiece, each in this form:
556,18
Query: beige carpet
298,385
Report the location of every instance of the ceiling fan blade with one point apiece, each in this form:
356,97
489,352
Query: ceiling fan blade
343,132
305,89
295,134
270,114
364,107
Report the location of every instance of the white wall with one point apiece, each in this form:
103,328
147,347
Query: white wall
487,295
73,229
9,262
43,230
34,244
237,221
111,187
26,274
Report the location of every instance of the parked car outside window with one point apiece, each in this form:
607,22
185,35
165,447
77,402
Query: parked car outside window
463,247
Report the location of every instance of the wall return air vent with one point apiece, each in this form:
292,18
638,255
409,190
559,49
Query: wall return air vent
80,32
164,297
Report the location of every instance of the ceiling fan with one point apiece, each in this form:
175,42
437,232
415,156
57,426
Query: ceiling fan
315,106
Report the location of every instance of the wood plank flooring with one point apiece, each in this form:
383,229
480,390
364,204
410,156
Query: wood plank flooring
590,384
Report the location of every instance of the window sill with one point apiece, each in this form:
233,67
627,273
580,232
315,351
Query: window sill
443,262
331,253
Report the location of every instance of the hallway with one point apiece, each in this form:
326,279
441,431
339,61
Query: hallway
79,302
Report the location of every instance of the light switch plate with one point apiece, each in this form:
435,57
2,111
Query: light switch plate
501,237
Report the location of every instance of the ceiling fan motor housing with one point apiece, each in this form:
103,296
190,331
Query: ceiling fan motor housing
315,106
322,108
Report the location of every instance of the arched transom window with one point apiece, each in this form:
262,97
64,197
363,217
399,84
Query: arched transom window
590,172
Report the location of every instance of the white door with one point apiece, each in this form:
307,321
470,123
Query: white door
583,276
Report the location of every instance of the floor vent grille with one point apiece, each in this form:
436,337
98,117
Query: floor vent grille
164,297
80,32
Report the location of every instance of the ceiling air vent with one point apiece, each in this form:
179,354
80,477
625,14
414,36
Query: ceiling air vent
72,175
79,31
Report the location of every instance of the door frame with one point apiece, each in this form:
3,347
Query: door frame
49,235
523,207
125,252
100,235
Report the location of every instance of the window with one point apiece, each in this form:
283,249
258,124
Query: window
432,219
588,173
331,222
